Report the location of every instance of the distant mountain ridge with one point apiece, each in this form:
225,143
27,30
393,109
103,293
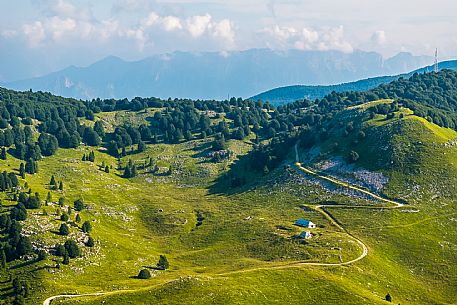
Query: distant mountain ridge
292,93
216,75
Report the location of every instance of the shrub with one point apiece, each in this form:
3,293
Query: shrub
144,274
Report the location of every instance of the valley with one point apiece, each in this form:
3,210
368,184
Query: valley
220,200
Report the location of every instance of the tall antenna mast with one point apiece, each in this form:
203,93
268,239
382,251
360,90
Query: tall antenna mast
436,61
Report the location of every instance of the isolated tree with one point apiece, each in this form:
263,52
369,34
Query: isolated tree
90,242
61,186
61,201
86,227
78,218
163,262
107,169
49,198
63,230
72,248
144,274
388,298
64,217
91,157
53,181
79,205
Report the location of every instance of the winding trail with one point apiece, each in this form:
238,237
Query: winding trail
320,208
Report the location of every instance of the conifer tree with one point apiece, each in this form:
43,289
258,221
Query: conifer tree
22,171
63,230
163,262
3,154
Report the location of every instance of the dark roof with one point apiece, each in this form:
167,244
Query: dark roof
302,222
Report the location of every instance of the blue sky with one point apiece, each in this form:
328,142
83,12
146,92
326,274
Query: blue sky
40,36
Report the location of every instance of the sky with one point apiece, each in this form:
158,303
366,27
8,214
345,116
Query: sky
41,36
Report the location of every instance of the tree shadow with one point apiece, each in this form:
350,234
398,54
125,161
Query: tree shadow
238,179
25,264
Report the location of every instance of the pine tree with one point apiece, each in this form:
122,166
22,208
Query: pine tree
90,242
144,274
141,146
66,259
2,259
84,157
86,227
64,217
3,154
107,169
61,186
22,171
78,218
127,172
53,181
63,230
388,298
91,157
49,198
163,262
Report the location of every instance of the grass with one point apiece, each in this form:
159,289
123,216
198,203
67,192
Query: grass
243,251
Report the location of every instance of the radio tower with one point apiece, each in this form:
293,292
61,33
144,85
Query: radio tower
436,61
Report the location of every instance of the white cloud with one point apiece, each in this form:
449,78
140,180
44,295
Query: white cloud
152,19
307,39
34,33
171,23
379,37
224,31
139,36
197,25
59,27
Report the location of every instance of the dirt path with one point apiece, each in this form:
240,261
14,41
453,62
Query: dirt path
54,297
319,208
341,183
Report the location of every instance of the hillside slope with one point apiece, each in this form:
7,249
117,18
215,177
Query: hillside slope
289,94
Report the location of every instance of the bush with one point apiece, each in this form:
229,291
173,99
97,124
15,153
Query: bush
144,274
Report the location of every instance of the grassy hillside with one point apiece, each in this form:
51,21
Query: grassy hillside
235,242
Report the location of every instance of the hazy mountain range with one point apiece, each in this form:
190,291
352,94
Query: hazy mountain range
217,75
